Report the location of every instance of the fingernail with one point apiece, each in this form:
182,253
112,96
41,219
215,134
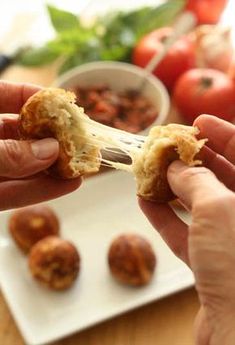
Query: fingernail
45,148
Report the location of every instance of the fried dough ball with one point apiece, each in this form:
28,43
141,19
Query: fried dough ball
30,224
131,260
54,262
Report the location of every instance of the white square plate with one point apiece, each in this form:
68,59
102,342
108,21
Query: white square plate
102,208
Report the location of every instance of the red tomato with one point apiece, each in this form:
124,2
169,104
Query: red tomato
207,11
231,71
180,58
205,91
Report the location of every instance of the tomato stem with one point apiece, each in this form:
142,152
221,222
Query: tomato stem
207,82
163,39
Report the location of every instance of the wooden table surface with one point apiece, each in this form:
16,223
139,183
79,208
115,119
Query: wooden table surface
166,322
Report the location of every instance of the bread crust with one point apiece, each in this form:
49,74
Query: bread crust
36,122
54,262
159,190
30,224
164,145
131,260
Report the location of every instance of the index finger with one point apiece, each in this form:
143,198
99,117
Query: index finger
14,95
221,135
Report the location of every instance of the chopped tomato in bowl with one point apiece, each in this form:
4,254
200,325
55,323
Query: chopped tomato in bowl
107,92
127,110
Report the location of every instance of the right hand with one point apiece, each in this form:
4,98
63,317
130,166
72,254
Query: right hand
21,162
208,244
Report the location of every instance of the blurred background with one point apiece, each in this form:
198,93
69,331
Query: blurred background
42,40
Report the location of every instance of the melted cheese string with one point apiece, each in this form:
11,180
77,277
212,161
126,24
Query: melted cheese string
113,141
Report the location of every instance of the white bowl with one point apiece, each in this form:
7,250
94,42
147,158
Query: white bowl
119,76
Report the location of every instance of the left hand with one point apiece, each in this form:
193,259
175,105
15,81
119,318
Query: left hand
22,162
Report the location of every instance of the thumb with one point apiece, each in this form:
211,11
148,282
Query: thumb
24,158
194,184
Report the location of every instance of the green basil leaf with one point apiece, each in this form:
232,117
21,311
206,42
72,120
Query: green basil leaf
116,53
122,30
62,20
72,39
83,54
157,17
36,56
110,37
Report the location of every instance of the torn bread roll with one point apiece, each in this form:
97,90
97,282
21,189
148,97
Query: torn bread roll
53,113
163,145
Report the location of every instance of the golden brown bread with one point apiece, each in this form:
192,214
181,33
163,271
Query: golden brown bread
30,224
53,113
54,262
131,260
163,145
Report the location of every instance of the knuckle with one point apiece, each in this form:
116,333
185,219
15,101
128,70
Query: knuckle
216,205
12,155
194,172
225,202
12,150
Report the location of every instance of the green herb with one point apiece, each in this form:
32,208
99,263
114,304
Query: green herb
62,20
110,37
37,56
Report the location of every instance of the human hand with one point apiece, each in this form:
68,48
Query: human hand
207,245
21,162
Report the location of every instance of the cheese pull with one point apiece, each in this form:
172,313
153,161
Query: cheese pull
85,145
